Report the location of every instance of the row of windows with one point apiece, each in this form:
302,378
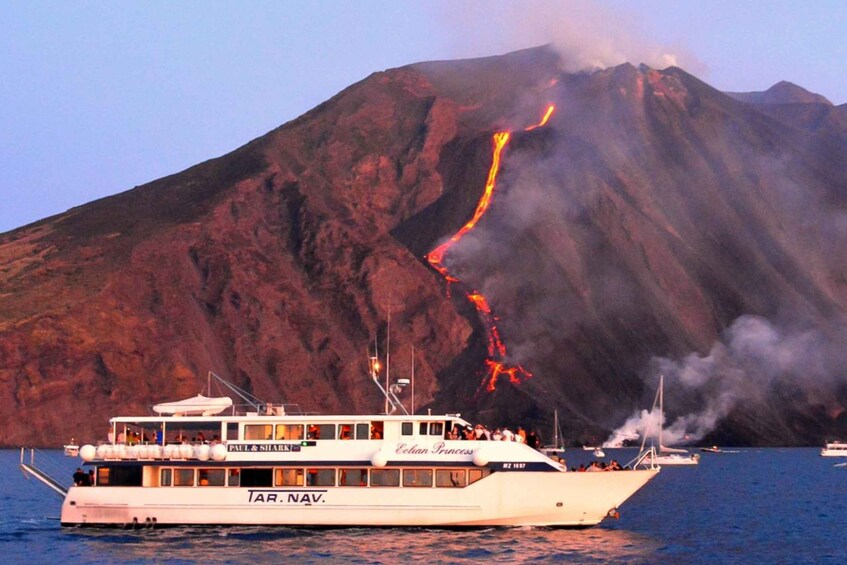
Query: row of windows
320,477
372,430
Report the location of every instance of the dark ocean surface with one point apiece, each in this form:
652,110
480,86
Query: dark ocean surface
754,506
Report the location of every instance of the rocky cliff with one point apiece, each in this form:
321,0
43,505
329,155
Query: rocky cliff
643,229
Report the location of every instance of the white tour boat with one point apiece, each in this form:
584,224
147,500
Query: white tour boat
269,467
834,449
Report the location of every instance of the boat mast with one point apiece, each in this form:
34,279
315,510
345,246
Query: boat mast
388,353
661,408
556,429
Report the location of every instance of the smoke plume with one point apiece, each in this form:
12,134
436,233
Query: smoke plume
753,357
588,36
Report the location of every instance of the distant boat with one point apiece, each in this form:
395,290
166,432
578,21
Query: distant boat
598,451
670,455
713,449
556,446
72,448
834,449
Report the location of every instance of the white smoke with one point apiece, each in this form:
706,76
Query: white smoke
588,36
753,355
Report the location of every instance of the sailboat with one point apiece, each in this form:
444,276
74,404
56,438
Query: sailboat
556,447
668,455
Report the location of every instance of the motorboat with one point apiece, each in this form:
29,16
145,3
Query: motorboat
71,449
834,449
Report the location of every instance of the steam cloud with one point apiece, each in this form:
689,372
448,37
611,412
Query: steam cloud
753,356
588,36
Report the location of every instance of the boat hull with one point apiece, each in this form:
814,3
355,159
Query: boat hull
559,499
676,460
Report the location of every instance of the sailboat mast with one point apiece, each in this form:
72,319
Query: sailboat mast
555,428
661,408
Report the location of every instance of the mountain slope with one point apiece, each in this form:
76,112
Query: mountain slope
632,232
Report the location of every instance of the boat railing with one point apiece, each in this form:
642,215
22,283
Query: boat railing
45,472
645,459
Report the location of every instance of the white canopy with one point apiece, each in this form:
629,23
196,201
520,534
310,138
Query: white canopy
196,406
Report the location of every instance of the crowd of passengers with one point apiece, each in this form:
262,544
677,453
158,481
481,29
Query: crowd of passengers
136,438
482,433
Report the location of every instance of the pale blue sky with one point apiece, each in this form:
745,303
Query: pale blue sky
98,97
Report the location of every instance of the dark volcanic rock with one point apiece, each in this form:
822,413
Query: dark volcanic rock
631,233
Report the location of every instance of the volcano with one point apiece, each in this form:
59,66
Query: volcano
636,230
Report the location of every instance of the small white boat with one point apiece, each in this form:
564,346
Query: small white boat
71,449
598,451
834,449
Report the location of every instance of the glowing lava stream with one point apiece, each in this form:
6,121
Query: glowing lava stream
496,348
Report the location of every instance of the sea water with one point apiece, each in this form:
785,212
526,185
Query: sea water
753,506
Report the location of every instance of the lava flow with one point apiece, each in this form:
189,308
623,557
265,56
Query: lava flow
496,362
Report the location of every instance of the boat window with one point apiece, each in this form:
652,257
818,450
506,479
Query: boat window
232,430
258,431
362,431
352,477
450,478
417,477
234,477
423,428
385,477
345,431
406,428
211,477
321,431
119,476
321,478
288,477
256,477
165,479
289,431
377,431
476,474
183,477
436,429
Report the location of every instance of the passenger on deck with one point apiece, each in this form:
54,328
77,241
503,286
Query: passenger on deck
91,477
80,478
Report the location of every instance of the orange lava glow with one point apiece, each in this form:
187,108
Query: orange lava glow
495,364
